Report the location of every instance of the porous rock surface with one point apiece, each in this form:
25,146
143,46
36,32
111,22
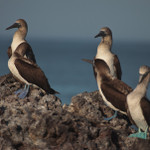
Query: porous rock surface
41,122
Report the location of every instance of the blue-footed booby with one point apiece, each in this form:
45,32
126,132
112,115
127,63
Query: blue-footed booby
138,106
19,40
112,90
104,52
29,73
20,45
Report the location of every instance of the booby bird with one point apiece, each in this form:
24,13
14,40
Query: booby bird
112,90
104,52
19,40
29,73
138,106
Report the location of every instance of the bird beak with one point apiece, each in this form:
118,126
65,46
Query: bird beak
15,25
101,33
98,35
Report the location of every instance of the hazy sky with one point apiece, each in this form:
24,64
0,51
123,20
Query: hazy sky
128,19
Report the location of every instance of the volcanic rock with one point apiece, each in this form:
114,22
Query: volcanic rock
41,122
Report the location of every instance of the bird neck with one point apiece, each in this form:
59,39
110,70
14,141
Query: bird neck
104,48
107,40
143,85
18,38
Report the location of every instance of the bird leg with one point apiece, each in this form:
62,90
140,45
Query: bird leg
20,90
24,92
108,119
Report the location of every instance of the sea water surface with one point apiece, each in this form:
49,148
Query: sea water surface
61,61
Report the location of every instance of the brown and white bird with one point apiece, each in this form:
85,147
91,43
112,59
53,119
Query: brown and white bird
104,52
22,63
138,106
29,73
112,90
19,40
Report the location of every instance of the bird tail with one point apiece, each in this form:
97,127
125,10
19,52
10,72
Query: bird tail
52,91
88,61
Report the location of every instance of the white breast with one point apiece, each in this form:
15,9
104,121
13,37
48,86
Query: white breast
106,55
14,70
15,44
18,38
133,101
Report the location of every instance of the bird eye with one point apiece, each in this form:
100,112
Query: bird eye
103,33
19,25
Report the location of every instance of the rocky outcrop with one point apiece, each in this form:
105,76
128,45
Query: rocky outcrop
40,122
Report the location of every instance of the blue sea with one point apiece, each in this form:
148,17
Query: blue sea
60,59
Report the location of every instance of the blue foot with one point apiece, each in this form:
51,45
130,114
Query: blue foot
23,92
139,134
18,91
134,127
23,95
115,115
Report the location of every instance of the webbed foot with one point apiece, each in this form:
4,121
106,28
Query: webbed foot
139,134
18,91
22,93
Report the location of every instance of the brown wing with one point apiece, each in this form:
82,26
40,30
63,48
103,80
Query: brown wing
100,66
117,67
145,105
95,74
9,52
33,74
120,86
24,49
116,92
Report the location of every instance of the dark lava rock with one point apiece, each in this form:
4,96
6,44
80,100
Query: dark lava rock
40,122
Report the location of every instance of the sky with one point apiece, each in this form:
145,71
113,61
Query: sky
128,19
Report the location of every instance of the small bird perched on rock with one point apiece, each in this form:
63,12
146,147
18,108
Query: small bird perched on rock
104,53
138,106
22,62
29,73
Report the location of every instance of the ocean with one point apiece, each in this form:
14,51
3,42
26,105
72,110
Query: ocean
61,61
